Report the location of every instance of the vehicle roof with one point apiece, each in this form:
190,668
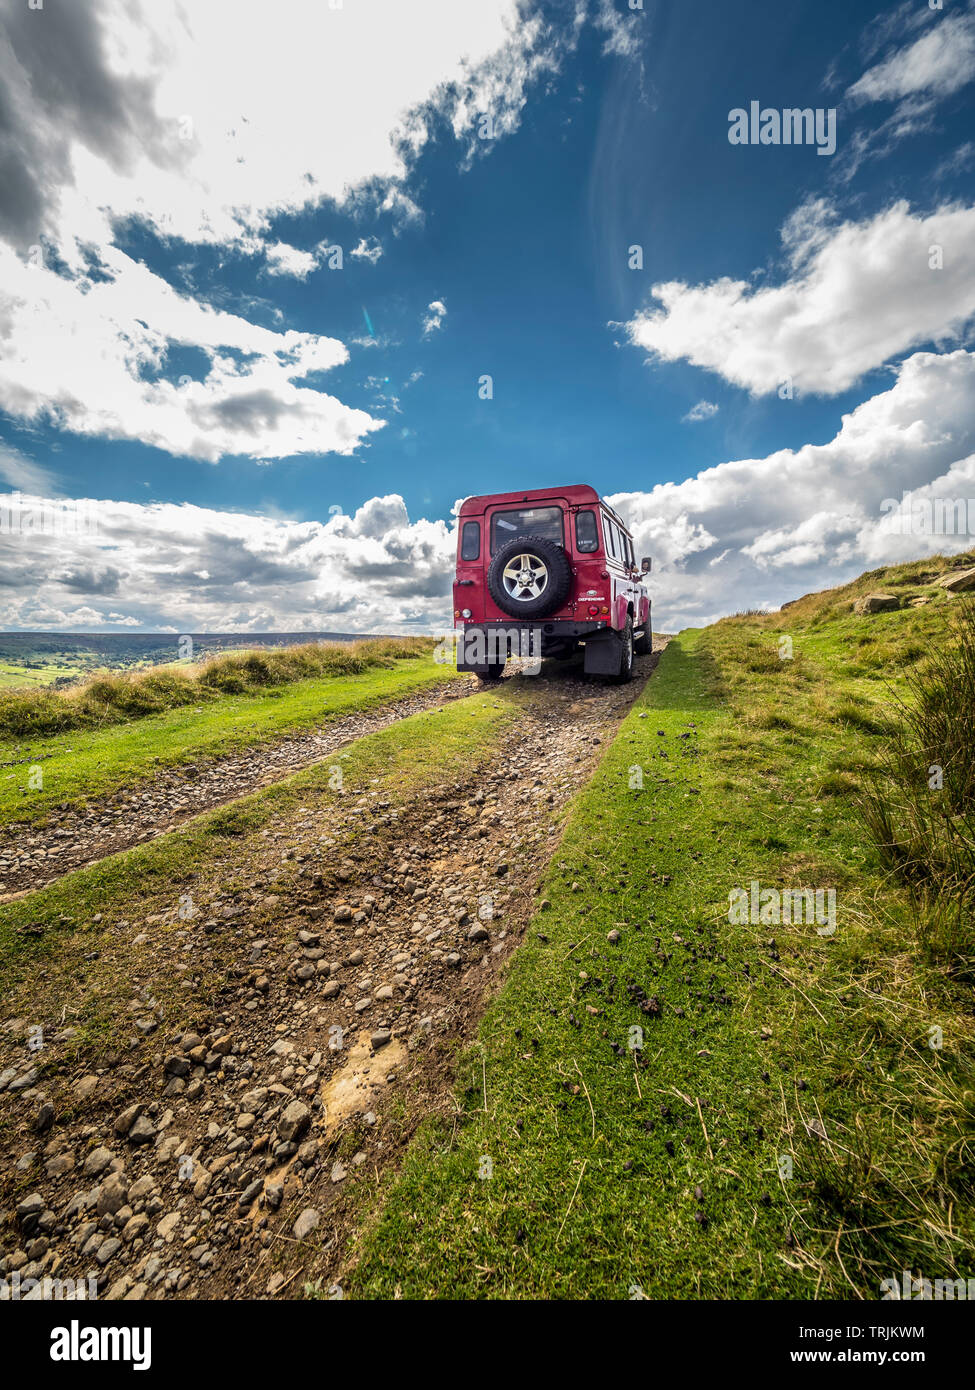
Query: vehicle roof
576,494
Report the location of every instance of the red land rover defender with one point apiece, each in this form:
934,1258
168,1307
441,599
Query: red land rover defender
544,572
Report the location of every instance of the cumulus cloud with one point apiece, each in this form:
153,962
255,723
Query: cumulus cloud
857,295
65,92
283,259
249,401
206,123
756,532
747,533
168,566
434,318
155,110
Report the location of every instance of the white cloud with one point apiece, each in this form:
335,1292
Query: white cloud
283,259
434,318
367,249
959,159
156,110
206,122
23,473
622,30
938,64
702,411
755,532
84,617
859,294
164,566
497,87
914,77
86,354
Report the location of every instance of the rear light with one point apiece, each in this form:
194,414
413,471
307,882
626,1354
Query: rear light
456,612
604,610
465,612
594,609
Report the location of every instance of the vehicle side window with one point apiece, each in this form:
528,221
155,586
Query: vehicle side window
470,540
587,537
610,538
629,550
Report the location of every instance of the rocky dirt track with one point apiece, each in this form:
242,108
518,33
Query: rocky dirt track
33,856
223,1148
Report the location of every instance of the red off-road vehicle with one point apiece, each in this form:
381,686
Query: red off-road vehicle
544,572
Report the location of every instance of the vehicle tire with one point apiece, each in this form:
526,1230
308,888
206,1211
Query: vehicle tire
529,576
493,673
643,646
626,657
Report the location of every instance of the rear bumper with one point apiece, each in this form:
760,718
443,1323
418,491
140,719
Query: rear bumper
480,645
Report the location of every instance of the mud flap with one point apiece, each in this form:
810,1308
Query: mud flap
604,654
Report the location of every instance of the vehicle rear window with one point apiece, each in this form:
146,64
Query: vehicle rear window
587,537
527,521
470,540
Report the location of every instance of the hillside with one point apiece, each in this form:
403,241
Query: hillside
477,1004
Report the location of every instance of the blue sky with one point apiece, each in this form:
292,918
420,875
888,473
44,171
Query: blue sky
462,256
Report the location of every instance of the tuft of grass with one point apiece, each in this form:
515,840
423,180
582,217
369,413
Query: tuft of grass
859,716
837,784
919,803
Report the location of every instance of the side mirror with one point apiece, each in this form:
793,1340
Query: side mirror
645,565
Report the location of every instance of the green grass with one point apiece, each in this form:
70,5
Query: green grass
86,764
660,1168
14,676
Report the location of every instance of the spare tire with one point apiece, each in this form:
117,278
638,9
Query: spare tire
529,576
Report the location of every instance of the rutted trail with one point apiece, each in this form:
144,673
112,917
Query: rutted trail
32,856
220,1148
